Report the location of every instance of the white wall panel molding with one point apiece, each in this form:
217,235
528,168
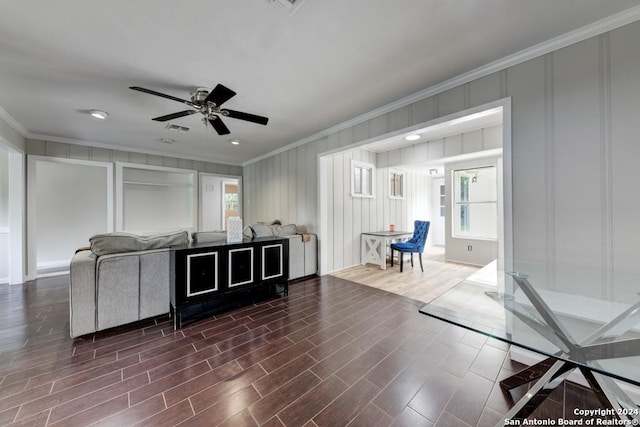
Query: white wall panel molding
606,165
549,173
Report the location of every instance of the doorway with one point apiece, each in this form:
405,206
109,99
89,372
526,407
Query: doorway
438,147
231,201
220,198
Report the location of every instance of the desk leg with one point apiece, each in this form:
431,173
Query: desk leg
527,375
372,251
539,392
550,374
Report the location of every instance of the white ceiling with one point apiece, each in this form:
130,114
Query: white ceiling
330,61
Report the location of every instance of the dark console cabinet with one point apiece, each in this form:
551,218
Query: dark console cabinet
213,276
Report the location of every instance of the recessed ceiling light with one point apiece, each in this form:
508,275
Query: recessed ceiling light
99,114
167,140
234,142
413,137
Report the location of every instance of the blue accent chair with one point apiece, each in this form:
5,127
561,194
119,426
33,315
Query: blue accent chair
413,245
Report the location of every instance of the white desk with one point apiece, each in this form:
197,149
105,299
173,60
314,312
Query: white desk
373,246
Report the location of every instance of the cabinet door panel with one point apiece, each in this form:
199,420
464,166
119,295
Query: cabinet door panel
241,267
272,261
202,273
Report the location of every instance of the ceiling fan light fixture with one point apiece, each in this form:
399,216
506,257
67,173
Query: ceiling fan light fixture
413,137
99,114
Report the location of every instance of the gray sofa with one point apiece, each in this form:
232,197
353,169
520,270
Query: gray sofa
122,279
303,246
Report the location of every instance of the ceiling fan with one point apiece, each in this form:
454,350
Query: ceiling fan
208,104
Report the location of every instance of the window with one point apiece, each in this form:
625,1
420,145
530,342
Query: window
396,184
442,206
475,203
362,179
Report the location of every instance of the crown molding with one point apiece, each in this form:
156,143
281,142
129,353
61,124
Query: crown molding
580,34
108,146
15,125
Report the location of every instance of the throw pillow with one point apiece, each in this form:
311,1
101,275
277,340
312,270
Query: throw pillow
262,230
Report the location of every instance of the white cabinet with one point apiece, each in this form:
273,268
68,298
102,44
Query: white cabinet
152,199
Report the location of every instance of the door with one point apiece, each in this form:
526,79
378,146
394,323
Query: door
219,199
231,201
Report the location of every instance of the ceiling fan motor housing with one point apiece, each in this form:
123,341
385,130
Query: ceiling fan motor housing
198,96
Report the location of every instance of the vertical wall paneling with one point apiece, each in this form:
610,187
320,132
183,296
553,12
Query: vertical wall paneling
483,90
346,217
451,101
577,168
624,77
606,166
423,111
4,215
338,209
530,169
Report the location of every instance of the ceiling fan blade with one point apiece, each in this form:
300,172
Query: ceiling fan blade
246,116
219,126
174,115
219,95
163,95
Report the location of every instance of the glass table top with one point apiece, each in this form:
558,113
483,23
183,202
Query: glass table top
599,334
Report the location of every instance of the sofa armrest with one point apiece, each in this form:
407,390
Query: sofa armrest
82,294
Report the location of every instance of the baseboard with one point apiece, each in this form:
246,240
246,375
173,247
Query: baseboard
53,274
49,267
530,358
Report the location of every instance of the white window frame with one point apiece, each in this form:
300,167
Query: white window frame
402,176
356,166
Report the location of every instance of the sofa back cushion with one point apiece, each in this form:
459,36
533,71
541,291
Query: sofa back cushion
113,243
209,236
261,230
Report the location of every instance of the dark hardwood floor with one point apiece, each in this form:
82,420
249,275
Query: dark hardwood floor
332,353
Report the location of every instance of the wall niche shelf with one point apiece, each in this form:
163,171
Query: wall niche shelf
143,191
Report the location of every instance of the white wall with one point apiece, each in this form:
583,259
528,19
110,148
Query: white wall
574,150
4,215
71,204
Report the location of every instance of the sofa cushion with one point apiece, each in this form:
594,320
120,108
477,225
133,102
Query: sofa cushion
209,236
113,243
261,230
284,230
